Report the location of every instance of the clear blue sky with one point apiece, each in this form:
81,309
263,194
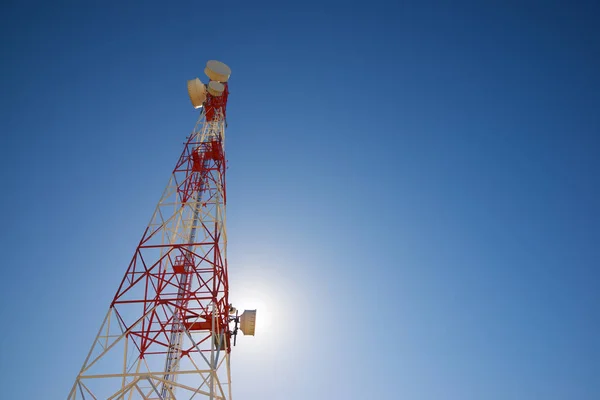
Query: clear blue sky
414,189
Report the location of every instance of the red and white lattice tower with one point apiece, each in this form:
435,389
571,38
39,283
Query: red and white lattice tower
168,331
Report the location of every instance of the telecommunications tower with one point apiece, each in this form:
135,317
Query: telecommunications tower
170,327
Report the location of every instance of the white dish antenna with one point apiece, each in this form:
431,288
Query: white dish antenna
217,71
248,322
197,92
215,88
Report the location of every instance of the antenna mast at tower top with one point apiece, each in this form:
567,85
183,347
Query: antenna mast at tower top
169,328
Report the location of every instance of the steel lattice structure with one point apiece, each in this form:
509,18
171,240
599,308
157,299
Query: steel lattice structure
167,331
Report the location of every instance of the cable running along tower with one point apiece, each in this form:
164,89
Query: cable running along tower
170,327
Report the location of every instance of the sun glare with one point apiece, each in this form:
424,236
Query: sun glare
253,292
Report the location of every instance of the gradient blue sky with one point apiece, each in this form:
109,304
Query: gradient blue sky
414,189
